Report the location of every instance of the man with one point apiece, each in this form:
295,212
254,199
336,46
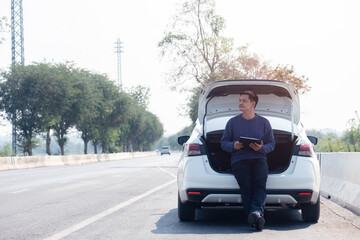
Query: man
249,165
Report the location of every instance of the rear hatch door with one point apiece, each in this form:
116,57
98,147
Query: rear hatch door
219,102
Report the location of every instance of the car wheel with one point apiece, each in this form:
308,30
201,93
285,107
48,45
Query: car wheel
309,212
186,212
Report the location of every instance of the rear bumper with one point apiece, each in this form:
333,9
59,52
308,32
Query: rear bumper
195,174
233,197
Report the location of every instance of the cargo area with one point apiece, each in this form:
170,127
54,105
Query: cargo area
278,160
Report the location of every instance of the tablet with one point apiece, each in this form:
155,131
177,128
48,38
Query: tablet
246,141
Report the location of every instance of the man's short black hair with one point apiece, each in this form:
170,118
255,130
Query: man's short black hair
252,96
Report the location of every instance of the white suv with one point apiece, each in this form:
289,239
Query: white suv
204,172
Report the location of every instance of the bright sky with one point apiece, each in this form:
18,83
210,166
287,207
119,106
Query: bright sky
321,39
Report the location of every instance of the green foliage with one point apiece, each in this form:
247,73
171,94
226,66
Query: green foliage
89,106
6,150
4,26
193,103
141,130
348,142
148,135
330,143
111,112
46,97
352,134
68,107
141,94
171,141
25,146
18,101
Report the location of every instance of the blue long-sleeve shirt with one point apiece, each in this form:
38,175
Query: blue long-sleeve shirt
257,127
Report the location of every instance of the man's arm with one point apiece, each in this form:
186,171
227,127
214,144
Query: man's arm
227,143
269,140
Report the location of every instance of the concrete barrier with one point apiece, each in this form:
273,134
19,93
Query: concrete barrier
22,162
340,178
6,163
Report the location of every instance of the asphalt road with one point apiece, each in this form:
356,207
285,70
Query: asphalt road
137,199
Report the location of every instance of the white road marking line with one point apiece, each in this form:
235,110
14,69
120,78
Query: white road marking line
20,191
105,213
166,171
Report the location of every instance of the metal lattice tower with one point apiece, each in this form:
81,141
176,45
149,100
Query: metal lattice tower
17,47
118,50
17,32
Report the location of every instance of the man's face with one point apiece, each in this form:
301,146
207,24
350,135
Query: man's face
245,103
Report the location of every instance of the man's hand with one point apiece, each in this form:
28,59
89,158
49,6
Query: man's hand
238,145
256,147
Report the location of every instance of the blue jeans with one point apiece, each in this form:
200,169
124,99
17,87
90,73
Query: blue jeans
251,175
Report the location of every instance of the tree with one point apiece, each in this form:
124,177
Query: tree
137,125
68,95
171,141
142,128
352,134
3,27
123,143
194,43
102,113
6,150
22,99
39,97
50,96
120,114
23,145
287,74
153,132
45,97
199,51
89,105
141,94
349,141
331,143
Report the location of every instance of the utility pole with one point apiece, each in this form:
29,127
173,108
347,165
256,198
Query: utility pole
118,50
17,48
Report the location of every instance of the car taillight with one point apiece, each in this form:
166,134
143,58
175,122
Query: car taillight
193,150
304,194
194,193
306,151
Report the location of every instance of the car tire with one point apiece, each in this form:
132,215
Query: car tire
186,212
309,212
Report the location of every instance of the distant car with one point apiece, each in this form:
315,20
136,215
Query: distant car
204,176
165,150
